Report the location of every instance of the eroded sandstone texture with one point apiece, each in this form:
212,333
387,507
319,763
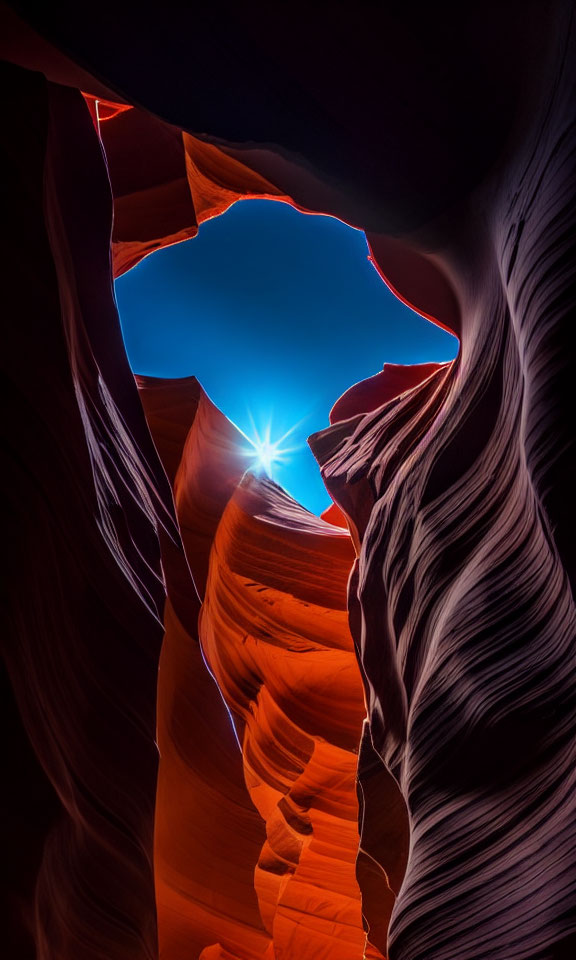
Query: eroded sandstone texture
274,632
448,135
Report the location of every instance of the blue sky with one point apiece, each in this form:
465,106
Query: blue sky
277,313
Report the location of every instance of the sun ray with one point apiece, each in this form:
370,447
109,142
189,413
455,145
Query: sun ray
267,453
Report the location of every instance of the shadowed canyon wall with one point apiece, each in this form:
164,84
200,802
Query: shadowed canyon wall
447,611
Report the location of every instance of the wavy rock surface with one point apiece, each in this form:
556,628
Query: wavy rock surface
274,631
208,834
450,139
86,495
468,654
166,183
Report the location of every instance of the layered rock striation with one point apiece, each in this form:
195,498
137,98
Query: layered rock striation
86,496
273,630
450,140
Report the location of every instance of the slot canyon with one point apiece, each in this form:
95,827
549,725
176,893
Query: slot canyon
235,729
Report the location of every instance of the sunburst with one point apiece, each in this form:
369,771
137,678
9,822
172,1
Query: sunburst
266,453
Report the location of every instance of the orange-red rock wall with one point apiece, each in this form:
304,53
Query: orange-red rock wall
273,629
450,140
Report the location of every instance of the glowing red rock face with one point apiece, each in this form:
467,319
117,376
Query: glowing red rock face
275,634
458,493
255,851
182,183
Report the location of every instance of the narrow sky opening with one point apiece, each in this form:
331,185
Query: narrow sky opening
276,313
